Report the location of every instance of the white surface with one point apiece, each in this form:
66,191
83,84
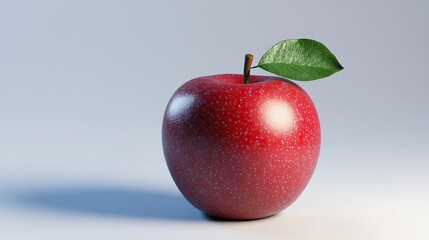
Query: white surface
83,87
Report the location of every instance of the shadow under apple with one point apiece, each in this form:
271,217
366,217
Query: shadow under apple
111,202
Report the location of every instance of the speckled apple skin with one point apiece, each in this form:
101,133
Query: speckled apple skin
241,151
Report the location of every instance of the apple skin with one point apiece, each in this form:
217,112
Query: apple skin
241,151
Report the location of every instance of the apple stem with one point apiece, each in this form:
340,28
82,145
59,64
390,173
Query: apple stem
248,58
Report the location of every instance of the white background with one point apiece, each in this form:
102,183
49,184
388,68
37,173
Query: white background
83,87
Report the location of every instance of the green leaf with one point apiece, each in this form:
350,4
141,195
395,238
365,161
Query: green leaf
300,59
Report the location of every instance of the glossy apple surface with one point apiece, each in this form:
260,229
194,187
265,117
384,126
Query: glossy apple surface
241,151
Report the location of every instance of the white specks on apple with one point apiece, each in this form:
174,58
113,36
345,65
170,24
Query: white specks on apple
241,151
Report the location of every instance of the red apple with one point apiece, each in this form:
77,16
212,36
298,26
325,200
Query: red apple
241,151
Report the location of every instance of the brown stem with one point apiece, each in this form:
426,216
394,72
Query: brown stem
247,66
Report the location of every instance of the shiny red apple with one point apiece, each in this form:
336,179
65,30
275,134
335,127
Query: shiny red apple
241,151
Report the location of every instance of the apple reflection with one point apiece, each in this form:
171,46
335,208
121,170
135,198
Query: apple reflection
179,105
279,116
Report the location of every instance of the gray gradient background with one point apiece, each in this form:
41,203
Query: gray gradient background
83,87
